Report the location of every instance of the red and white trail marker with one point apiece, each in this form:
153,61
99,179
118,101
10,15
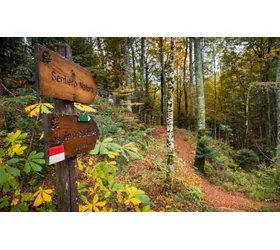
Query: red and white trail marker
56,154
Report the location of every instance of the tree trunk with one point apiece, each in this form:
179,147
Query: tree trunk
184,80
134,69
100,51
247,116
215,92
191,80
199,161
278,118
127,70
142,65
142,68
170,129
163,84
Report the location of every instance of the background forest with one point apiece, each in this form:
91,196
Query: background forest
226,110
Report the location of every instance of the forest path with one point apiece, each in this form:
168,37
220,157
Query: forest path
215,196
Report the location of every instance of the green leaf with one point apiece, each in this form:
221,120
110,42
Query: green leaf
31,155
27,167
95,199
117,187
39,155
103,150
40,161
84,199
95,151
146,208
107,194
13,161
6,187
35,166
142,197
107,140
1,152
44,109
27,197
12,181
13,171
3,175
22,136
22,207
110,180
133,154
4,201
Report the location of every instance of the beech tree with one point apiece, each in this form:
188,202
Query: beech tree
199,160
127,69
170,104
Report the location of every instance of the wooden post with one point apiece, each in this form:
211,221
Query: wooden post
66,171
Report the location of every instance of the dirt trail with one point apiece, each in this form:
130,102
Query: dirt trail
217,197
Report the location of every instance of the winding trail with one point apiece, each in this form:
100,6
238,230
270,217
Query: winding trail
215,196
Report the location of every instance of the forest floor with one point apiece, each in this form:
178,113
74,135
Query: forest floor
215,197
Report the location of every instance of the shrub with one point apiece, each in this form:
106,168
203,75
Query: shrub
246,158
206,149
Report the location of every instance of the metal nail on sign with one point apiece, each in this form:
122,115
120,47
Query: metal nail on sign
65,136
58,77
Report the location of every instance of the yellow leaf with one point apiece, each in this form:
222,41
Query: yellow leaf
119,197
100,204
137,209
84,107
111,156
95,209
135,201
38,201
1,160
48,105
29,108
46,197
17,133
48,191
35,112
42,136
42,196
130,144
14,202
112,163
80,165
91,191
90,162
86,208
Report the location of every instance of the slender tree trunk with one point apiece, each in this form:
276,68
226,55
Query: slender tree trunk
134,69
199,161
127,70
184,80
191,80
142,68
142,65
163,84
268,109
278,118
247,116
100,51
170,129
215,93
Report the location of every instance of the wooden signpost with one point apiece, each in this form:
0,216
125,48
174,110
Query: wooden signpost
75,136
66,134
60,78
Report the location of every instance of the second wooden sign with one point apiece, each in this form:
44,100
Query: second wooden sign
65,136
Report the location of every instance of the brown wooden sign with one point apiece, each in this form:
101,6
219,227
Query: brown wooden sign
65,136
58,77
